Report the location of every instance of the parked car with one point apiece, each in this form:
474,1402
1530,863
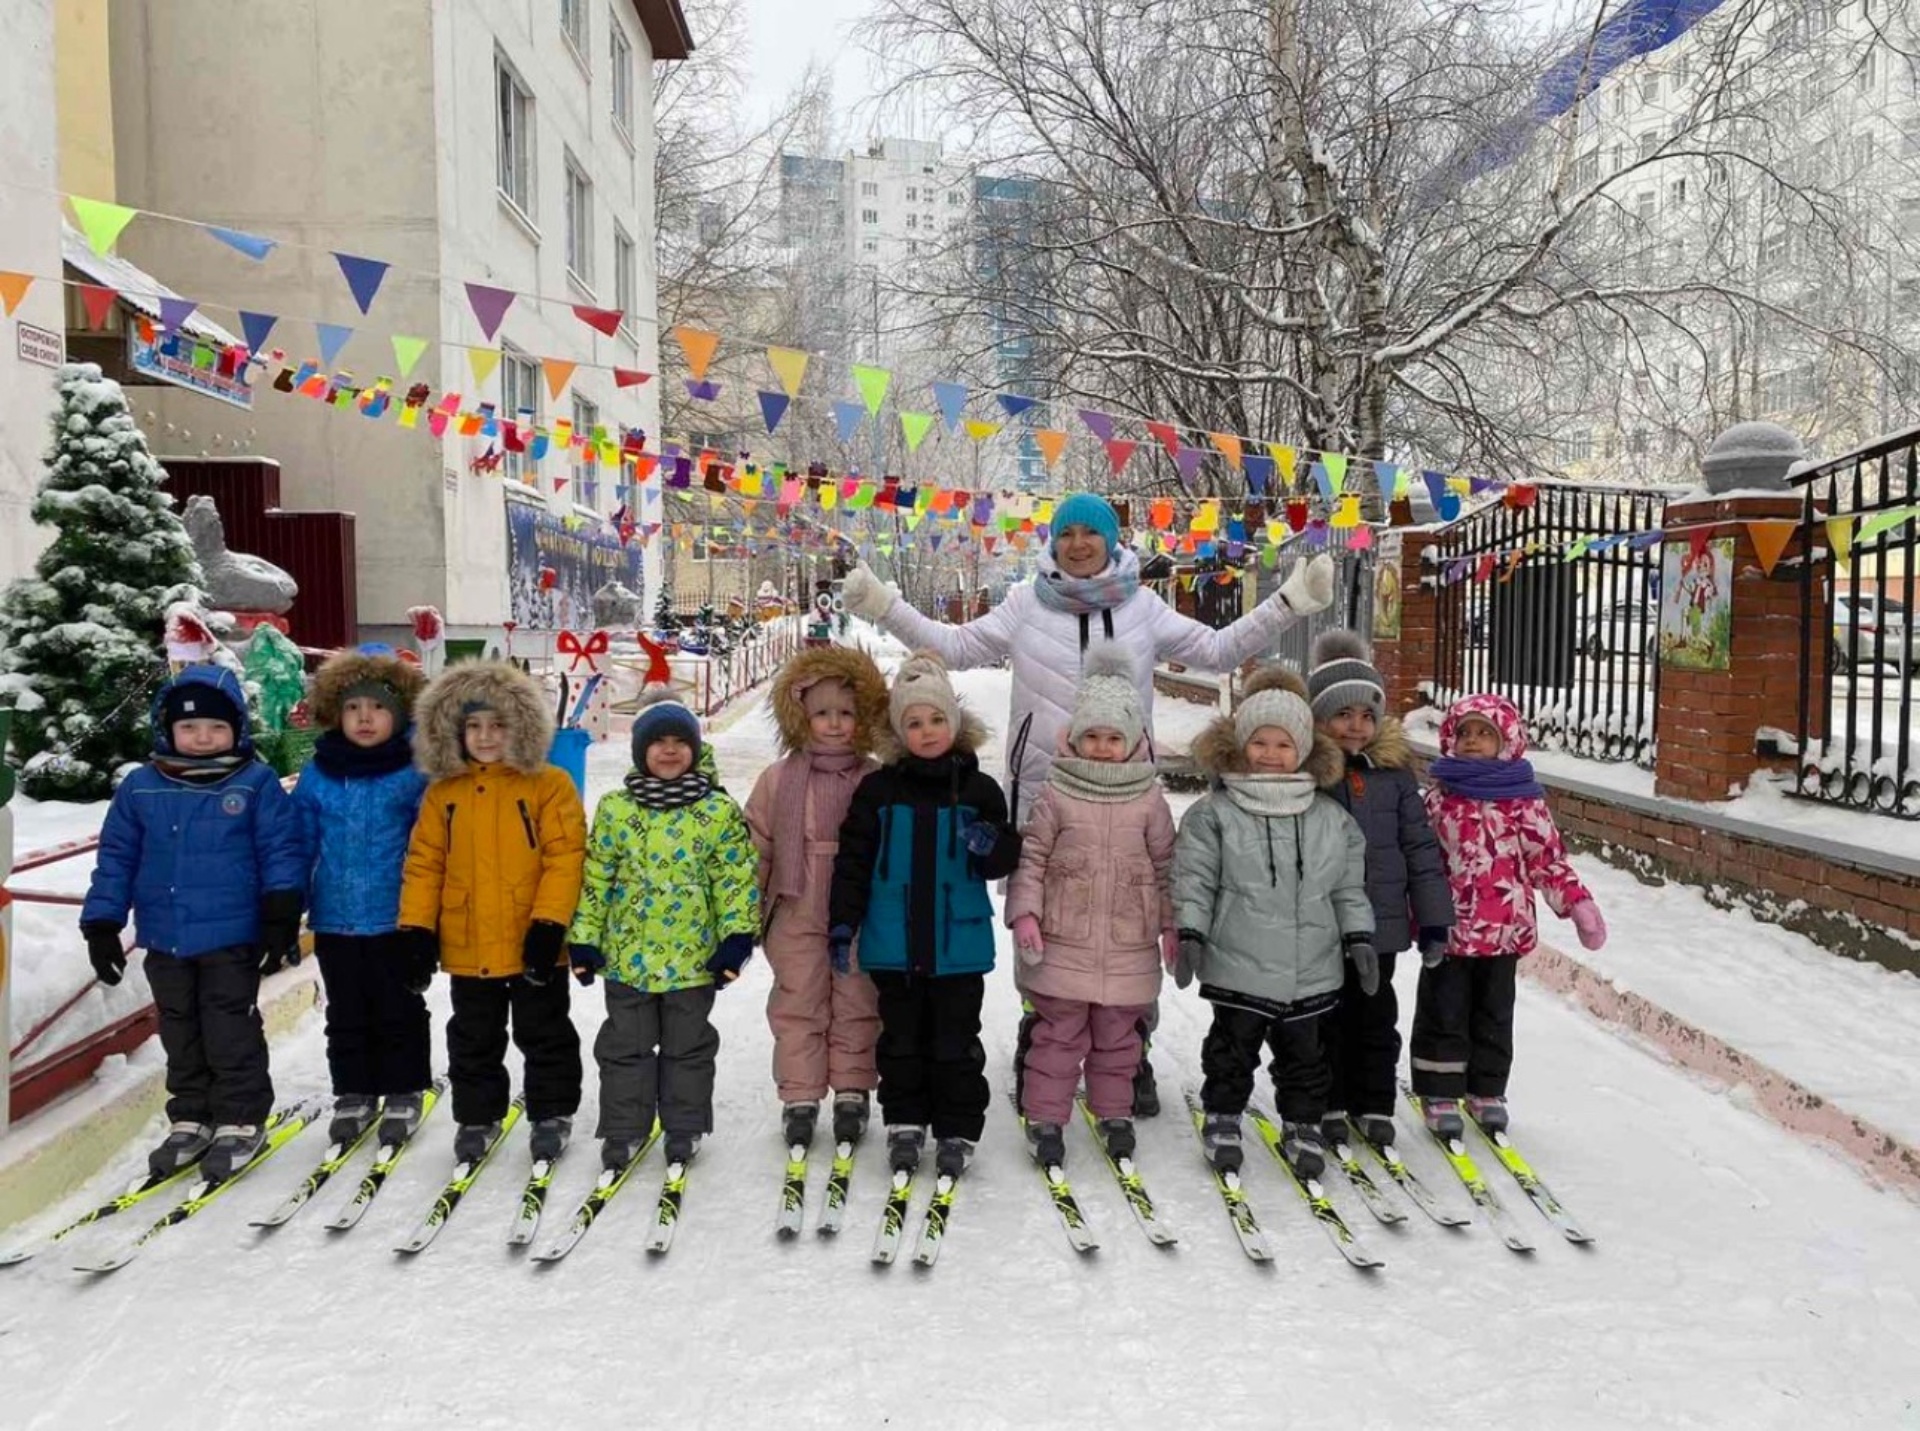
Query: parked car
1618,628
1858,622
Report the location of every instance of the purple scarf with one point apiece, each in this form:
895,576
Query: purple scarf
1487,779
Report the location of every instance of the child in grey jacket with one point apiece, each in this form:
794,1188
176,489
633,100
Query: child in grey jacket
1270,894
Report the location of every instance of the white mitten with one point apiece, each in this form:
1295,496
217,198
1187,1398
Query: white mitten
1309,586
869,598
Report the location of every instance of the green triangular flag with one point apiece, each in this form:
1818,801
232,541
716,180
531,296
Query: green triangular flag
1336,468
1871,527
407,351
873,383
916,425
101,221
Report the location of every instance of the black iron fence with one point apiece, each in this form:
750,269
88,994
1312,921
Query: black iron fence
1857,651
1574,643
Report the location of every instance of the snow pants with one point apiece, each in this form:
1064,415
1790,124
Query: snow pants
1463,1027
1362,1038
933,1069
1069,1035
542,1031
1231,1054
1146,1022
825,1025
379,1040
656,1055
210,1030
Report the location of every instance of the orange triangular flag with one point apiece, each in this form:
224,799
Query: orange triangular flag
558,370
1051,441
13,287
1769,540
1229,446
699,345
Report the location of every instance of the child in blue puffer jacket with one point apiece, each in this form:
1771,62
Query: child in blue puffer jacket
358,799
204,848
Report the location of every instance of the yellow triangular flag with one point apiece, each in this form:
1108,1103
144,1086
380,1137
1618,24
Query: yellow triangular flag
101,221
483,361
980,431
1840,538
1284,458
1769,540
790,366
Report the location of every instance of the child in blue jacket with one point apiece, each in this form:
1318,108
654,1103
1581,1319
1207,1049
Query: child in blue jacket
358,799
203,846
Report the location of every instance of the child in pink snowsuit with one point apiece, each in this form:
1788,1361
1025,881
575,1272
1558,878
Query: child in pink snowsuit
1501,846
1092,913
829,703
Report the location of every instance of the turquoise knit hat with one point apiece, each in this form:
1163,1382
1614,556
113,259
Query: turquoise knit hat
1084,509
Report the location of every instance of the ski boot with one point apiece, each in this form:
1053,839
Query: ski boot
400,1117
951,1156
184,1145
850,1112
681,1147
549,1138
1489,1113
1304,1147
1377,1129
1048,1143
471,1141
1146,1092
1443,1117
1333,1129
616,1153
798,1121
352,1115
233,1147
904,1142
1220,1136
1117,1135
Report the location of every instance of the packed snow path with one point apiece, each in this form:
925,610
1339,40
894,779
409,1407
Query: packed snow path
1741,1278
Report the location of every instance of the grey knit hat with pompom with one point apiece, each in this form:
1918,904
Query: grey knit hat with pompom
1108,698
1344,675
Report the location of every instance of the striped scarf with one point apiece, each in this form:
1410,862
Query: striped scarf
657,794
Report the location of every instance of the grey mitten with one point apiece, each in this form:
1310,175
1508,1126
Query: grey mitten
1193,950
1366,963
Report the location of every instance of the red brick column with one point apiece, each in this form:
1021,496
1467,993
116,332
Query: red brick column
1707,719
1407,660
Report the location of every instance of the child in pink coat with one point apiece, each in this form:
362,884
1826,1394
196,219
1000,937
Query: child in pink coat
829,704
1501,847
1092,913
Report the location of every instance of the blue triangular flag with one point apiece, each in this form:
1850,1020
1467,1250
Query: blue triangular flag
702,389
773,407
363,277
333,337
1259,470
252,245
1015,404
847,415
1324,479
256,326
952,398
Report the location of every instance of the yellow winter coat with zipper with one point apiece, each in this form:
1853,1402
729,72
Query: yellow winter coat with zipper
496,846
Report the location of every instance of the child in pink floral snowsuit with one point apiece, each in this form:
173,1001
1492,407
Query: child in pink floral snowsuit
1501,846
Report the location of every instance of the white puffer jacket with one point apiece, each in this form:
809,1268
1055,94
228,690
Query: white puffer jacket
1046,646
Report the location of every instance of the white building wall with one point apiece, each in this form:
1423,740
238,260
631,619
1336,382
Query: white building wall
29,243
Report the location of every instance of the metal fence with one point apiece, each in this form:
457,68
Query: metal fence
1857,654
1573,644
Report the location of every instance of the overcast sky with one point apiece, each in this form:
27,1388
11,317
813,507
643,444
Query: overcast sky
787,34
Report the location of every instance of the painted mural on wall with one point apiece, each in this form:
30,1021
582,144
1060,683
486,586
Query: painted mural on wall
1387,596
1696,605
552,573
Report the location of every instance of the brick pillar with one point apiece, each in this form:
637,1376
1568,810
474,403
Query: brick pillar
1408,659
1707,719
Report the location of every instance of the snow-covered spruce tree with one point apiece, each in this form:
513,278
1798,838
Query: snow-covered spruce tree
80,641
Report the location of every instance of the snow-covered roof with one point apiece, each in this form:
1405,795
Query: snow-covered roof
135,287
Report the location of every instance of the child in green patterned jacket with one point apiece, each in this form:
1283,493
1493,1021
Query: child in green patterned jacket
669,913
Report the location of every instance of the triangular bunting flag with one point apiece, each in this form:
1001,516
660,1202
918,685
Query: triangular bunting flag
915,426
773,407
174,312
1871,527
407,351
1336,465
1229,446
256,327
1388,476
333,337
13,287
629,377
1287,460
252,245
701,390
1323,479
980,431
101,221
872,383
1259,470
1187,460
1100,424
489,306
1169,437
98,302
363,275
1015,404
1769,540
1119,449
483,361
601,320
699,345
952,398
1697,540
846,418
558,372
1052,443
790,366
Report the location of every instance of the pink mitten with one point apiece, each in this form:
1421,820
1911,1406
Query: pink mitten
1026,938
1592,928
1170,948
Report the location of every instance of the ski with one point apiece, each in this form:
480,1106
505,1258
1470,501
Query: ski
135,1195
1530,1184
1468,1172
384,1159
1072,1220
335,1158
533,1201
595,1203
1253,1240
456,1188
1315,1197
1131,1187
893,1219
933,1230
793,1194
1371,1193
839,1182
281,1128
666,1216
1418,1193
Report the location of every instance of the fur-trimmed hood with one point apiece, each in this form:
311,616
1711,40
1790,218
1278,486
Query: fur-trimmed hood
846,664
970,739
345,669
1217,750
438,718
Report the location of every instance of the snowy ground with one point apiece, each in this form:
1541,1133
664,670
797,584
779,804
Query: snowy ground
1741,1278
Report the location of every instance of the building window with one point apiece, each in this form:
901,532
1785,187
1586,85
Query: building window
623,276
586,468
1574,447
1650,86
513,137
913,221
869,189
953,198
519,401
620,53
869,216
579,223
1645,203
869,245
1677,192
573,24
913,195
1649,144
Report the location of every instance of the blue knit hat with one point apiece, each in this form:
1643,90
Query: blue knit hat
1084,509
659,718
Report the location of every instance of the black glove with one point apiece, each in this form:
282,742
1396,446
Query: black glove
840,948
540,951
587,961
1366,963
280,929
1193,951
1433,945
418,957
980,837
109,960
728,959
